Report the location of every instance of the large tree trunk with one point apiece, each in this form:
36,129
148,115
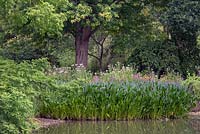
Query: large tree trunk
82,38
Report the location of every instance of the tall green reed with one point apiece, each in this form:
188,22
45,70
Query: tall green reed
118,101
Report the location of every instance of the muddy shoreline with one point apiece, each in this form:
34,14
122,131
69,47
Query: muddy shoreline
44,122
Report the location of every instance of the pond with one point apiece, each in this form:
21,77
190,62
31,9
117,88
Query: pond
182,126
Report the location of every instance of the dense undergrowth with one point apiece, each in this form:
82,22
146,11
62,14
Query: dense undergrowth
29,89
16,111
20,87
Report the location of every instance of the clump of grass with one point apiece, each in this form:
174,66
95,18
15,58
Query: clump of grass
118,101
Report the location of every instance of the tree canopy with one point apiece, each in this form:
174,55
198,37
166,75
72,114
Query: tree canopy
48,18
136,31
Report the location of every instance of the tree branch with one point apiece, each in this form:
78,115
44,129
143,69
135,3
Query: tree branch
94,56
93,38
101,42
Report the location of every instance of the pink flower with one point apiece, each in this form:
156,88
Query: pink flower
136,76
95,79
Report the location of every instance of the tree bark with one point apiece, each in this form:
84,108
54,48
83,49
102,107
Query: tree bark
82,38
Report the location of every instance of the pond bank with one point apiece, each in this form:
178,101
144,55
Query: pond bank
44,123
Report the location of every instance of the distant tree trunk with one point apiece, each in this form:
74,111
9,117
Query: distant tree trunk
82,38
101,51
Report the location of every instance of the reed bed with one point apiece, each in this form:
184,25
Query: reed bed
117,101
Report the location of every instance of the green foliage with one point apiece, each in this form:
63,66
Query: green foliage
157,56
193,82
34,29
67,74
117,101
172,77
45,20
16,109
21,87
137,28
23,48
59,52
65,57
25,16
28,78
25,90
47,17
117,72
64,51
182,20
198,42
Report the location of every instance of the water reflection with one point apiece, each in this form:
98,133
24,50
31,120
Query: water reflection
122,127
195,124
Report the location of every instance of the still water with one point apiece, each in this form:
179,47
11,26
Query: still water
186,126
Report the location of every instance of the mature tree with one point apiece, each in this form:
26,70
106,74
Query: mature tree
140,29
50,18
182,20
177,31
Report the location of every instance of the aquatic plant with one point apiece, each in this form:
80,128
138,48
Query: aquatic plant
118,101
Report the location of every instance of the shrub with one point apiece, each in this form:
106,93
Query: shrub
16,109
28,78
21,87
118,101
193,82
155,55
